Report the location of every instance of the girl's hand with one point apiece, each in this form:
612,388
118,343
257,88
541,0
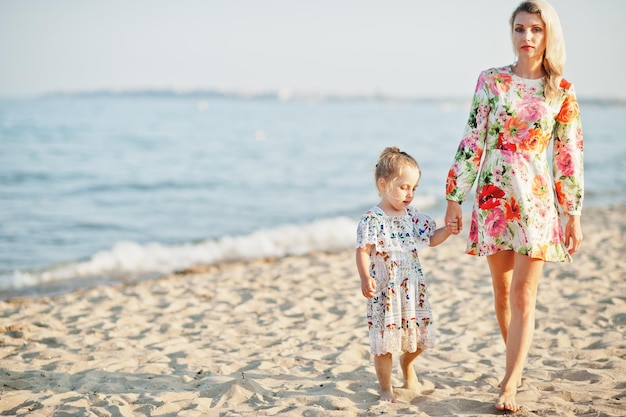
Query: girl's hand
573,234
368,284
454,217
368,287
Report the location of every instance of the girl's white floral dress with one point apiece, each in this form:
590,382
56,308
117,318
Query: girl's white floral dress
399,316
510,127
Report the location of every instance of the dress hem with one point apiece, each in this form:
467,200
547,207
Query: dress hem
567,259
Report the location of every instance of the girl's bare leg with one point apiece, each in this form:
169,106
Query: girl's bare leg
408,372
384,366
522,301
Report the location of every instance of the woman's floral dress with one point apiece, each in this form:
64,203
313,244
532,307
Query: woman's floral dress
399,315
510,127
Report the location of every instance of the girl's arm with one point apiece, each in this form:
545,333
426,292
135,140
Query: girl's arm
440,236
368,284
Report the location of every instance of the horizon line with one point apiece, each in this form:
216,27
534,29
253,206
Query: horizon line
275,94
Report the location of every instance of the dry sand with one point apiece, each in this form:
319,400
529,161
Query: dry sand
287,337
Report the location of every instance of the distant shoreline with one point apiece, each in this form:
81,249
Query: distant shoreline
284,96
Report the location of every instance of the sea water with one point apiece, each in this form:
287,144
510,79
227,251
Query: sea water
116,188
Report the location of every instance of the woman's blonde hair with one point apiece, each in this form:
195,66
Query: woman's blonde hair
554,55
390,164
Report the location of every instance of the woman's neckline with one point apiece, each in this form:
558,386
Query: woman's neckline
523,78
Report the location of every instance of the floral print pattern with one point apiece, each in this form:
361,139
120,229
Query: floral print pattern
399,316
511,125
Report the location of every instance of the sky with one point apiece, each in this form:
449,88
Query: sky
403,48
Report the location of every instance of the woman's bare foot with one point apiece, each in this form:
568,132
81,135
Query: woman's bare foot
519,384
388,396
506,402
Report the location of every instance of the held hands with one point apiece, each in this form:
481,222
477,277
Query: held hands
454,217
573,234
452,227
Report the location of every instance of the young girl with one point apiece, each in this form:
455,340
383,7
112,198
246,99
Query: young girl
388,237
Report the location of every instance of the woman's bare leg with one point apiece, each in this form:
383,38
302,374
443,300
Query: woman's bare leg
501,267
384,367
523,297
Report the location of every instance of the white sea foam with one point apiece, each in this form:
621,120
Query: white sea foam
133,260
127,260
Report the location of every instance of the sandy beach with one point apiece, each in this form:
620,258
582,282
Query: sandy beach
287,337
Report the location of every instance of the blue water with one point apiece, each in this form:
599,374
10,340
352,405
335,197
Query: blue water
119,188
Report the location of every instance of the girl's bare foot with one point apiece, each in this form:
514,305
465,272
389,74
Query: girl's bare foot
408,372
412,384
388,397
506,402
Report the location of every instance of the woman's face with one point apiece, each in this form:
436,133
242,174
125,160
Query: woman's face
529,35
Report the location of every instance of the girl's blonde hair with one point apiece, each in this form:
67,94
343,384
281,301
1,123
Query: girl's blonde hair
390,164
554,55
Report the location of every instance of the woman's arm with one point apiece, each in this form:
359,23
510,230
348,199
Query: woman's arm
573,234
465,168
567,155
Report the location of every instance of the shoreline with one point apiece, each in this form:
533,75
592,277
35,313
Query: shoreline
55,279
287,336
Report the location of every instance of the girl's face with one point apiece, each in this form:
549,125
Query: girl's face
529,35
398,193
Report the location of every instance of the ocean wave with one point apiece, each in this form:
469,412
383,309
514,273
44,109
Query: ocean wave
131,260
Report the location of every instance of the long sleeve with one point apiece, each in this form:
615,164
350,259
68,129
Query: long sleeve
466,163
567,154
505,149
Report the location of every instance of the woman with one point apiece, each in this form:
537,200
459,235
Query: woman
516,111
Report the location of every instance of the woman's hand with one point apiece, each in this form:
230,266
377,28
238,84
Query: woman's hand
454,217
573,234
